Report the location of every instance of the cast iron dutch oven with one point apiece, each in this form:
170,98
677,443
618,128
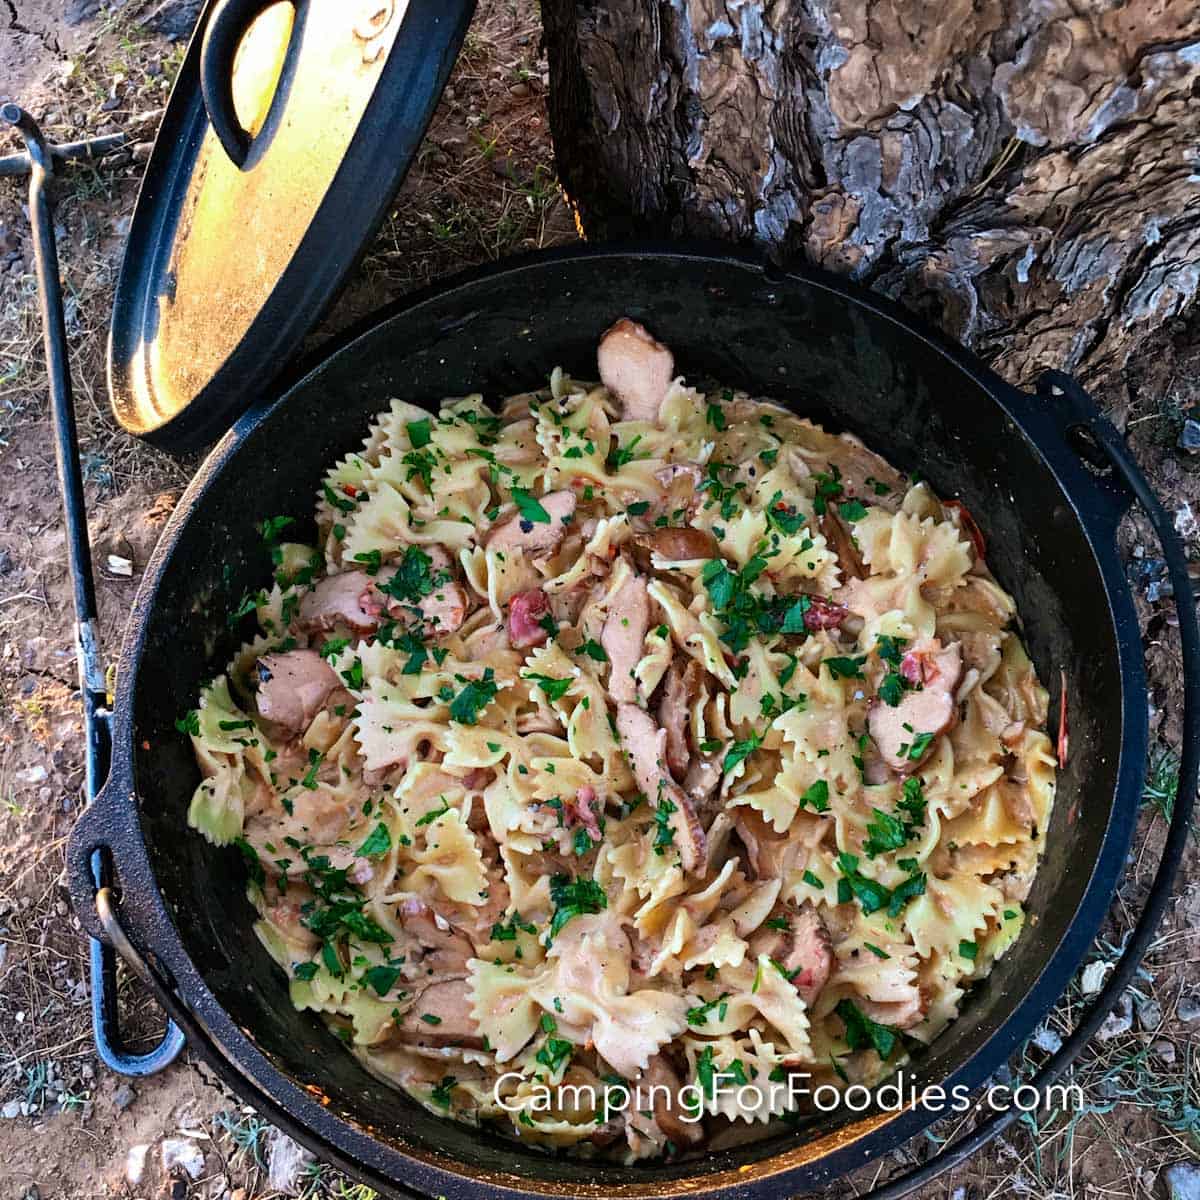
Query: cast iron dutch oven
1046,477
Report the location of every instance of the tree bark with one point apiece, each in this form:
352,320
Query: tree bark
1024,173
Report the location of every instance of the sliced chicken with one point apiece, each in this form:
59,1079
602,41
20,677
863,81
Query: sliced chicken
804,950
347,600
445,608
809,959
646,746
680,689
637,369
899,732
661,1083
441,1016
518,533
623,637
526,611
293,688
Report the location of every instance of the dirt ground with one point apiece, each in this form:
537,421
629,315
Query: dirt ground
483,187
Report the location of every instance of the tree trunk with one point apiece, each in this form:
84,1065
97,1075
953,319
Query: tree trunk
1024,173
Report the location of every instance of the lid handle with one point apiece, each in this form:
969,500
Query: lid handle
223,34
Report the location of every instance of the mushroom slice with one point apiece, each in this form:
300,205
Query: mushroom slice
679,691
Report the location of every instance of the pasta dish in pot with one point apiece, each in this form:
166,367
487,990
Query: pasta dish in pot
636,737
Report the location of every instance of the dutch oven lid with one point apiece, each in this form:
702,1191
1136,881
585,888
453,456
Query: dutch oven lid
287,134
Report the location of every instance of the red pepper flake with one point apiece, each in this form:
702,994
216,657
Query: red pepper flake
1063,730
350,490
968,523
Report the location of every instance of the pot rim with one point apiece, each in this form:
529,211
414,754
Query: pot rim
310,1118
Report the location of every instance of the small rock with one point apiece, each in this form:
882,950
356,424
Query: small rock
135,1164
519,90
1149,1014
1183,1180
174,19
1189,437
1186,524
11,1110
1188,1008
31,776
78,11
1119,1021
959,1193
32,1192
1045,1038
1092,979
184,1154
286,1161
124,1096
1164,1051
119,565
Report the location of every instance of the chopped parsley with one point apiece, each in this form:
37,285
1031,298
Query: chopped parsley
381,978
829,487
574,898
530,507
189,723
968,950
475,696
740,751
884,832
862,1032
508,931
440,1095
378,841
816,794
664,832
419,432
845,668
552,688
555,1054
594,650
852,510
699,1014
619,455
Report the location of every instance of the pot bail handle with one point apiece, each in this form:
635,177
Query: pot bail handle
90,870
1104,448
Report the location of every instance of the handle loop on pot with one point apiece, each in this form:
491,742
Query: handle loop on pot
1105,448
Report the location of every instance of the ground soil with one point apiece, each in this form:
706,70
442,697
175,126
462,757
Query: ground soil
483,187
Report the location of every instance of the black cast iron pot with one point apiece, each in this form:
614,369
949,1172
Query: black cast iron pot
832,352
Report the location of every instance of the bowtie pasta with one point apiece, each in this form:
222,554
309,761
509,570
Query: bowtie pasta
637,736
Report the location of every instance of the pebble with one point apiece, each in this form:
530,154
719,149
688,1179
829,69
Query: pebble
1164,1051
11,1110
286,1162
1149,1014
1092,979
124,1096
1119,1021
1183,1180
31,775
1188,1008
135,1163
184,1154
1189,437
1045,1038
1186,524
